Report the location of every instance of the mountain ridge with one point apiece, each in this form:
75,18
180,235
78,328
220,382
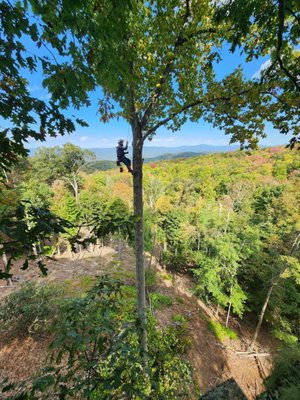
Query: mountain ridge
151,152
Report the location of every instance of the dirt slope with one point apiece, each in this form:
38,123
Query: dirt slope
213,361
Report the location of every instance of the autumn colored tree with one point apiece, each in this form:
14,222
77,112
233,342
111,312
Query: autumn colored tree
154,62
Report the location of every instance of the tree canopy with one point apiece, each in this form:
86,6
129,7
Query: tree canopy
155,62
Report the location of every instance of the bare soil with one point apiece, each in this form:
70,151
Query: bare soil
212,361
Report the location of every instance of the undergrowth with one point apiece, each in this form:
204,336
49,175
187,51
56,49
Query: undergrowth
220,331
31,309
159,300
95,349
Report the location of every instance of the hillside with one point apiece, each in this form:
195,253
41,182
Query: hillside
222,234
213,359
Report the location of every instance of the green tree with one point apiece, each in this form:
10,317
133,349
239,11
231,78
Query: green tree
49,164
24,115
155,61
24,228
37,193
72,159
45,164
277,213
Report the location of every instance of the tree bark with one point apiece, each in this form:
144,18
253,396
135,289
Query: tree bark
74,184
230,304
152,251
261,317
5,261
139,240
228,314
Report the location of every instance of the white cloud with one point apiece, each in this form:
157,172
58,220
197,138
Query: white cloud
45,97
262,68
90,141
33,88
166,140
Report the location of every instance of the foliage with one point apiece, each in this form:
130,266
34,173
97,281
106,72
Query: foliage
220,331
30,309
150,278
100,165
24,228
284,382
49,164
159,300
96,353
167,71
37,193
25,115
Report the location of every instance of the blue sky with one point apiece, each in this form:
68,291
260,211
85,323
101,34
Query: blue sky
106,135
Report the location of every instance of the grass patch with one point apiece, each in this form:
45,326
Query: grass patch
159,300
220,331
150,278
78,285
122,275
179,300
166,276
128,291
179,319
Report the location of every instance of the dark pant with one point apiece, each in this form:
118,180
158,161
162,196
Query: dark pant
126,161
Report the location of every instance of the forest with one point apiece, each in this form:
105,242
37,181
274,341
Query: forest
179,279
230,222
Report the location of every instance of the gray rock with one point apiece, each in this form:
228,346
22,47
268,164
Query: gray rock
228,390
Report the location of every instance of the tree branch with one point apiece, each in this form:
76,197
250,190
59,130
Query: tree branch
297,17
279,46
187,107
178,43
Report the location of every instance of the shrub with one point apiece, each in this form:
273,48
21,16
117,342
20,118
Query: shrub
158,300
180,330
150,278
166,276
180,319
30,309
284,382
96,355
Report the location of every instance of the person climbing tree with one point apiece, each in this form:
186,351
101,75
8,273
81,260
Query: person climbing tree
121,158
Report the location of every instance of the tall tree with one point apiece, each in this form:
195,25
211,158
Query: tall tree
72,159
67,162
154,61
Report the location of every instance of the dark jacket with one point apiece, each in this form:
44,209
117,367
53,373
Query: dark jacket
121,151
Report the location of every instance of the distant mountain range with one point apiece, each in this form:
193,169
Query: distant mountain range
171,156
161,153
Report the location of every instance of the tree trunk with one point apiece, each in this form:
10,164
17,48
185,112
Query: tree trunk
34,249
228,314
139,241
75,187
5,262
152,250
119,245
230,304
261,317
